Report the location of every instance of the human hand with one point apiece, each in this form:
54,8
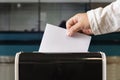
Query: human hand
78,23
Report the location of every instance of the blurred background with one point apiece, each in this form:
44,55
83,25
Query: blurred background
22,24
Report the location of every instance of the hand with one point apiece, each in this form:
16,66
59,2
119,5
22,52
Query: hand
78,23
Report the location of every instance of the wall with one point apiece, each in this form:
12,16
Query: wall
25,16
18,18
55,13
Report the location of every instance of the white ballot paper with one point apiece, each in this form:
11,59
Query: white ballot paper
55,40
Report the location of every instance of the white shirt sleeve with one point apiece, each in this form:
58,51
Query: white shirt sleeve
105,20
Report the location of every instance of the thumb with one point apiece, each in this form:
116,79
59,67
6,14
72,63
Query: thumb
87,31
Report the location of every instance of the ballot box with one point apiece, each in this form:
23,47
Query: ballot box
60,66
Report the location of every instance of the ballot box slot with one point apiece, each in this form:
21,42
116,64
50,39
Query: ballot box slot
57,56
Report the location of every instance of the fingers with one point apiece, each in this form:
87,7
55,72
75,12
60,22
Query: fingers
79,22
71,22
70,26
75,28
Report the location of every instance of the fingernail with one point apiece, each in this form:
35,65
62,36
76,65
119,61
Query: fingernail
69,33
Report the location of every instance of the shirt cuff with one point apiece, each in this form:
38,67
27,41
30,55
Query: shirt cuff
93,22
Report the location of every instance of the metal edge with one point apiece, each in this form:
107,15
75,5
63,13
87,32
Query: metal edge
17,65
104,66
